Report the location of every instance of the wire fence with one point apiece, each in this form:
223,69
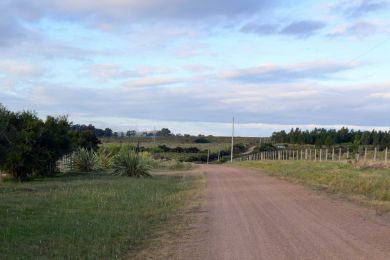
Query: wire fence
321,154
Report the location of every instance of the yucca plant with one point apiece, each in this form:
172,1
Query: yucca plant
84,160
105,158
132,164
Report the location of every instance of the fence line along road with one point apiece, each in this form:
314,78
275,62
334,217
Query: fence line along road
320,154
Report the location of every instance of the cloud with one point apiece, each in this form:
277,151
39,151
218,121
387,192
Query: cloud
111,72
301,29
110,13
359,8
283,104
11,31
153,82
287,73
18,69
260,28
359,29
152,9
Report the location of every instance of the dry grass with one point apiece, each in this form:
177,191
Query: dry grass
167,241
366,183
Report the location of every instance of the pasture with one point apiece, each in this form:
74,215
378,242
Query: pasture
88,215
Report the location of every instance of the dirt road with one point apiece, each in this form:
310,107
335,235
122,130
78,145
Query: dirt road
253,216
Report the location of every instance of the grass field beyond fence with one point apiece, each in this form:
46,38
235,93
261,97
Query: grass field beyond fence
92,216
367,184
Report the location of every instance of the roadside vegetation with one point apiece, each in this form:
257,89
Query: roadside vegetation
89,215
63,195
366,183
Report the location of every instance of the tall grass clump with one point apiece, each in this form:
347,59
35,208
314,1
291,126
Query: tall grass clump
132,164
84,160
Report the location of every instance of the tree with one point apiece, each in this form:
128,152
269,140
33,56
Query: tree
86,139
164,132
107,132
329,141
54,142
131,133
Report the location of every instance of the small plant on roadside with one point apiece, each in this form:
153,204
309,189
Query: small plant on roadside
132,164
84,160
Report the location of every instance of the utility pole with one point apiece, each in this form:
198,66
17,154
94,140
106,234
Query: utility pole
231,151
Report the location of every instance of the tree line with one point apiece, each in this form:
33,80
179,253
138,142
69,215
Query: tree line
30,146
329,137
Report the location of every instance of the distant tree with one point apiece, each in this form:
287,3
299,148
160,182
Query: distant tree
107,132
329,141
131,133
164,132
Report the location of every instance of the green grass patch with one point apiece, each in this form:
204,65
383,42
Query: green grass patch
370,183
86,216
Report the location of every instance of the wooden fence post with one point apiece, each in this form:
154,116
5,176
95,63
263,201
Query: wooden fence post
375,154
386,155
326,154
365,154
340,154
321,155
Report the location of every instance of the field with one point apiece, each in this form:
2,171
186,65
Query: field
88,215
216,143
364,183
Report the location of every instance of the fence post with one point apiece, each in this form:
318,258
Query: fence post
347,153
365,154
315,154
326,154
375,154
321,155
386,155
332,153
340,154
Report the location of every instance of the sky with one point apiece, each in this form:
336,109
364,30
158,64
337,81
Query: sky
191,65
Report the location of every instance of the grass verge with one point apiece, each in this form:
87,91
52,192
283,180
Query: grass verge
369,185
87,216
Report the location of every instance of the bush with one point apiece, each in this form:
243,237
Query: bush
132,164
84,160
201,141
104,158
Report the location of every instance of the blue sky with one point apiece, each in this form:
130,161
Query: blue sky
193,65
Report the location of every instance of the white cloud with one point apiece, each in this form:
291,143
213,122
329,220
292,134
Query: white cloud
21,69
360,29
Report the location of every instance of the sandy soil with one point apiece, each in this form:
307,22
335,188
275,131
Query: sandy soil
249,215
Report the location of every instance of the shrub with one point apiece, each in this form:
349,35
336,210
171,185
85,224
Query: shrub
104,158
201,141
84,160
132,164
